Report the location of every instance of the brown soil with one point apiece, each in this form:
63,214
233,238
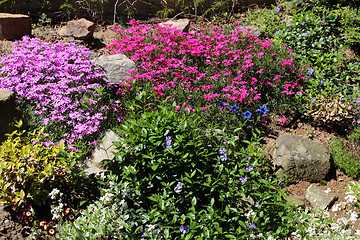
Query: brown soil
103,36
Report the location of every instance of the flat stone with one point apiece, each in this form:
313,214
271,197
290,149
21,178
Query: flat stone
182,24
14,26
301,159
116,67
103,152
80,29
318,197
251,30
295,200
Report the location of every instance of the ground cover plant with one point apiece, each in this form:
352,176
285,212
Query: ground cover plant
223,74
331,79
60,89
189,163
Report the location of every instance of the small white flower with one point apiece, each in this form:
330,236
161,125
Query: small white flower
150,227
336,207
350,198
357,232
328,190
54,193
311,231
250,214
335,227
353,216
106,197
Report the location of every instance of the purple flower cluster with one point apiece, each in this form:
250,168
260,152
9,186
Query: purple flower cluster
223,155
59,80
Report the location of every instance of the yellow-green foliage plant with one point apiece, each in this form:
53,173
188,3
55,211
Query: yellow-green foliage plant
27,166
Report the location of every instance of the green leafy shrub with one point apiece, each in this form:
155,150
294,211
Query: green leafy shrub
27,165
345,153
308,34
193,182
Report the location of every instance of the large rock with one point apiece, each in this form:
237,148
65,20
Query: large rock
295,200
8,112
181,24
14,26
301,159
105,151
319,197
116,67
81,29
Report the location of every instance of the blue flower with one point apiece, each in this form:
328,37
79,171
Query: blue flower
289,24
262,110
234,108
277,9
247,115
168,141
184,229
243,179
179,186
249,168
303,23
307,18
251,225
222,150
304,34
224,157
283,20
277,32
222,105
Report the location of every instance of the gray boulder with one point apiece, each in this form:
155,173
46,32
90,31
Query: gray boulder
116,67
295,200
182,24
8,112
319,197
105,151
301,159
81,29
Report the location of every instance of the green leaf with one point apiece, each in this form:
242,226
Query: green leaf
188,236
193,201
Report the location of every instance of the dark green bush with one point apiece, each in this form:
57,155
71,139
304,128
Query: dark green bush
196,182
345,153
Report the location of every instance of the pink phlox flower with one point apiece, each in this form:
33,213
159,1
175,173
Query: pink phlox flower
190,108
282,121
200,76
260,54
277,77
248,56
257,96
206,87
260,71
253,80
227,88
48,144
287,62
